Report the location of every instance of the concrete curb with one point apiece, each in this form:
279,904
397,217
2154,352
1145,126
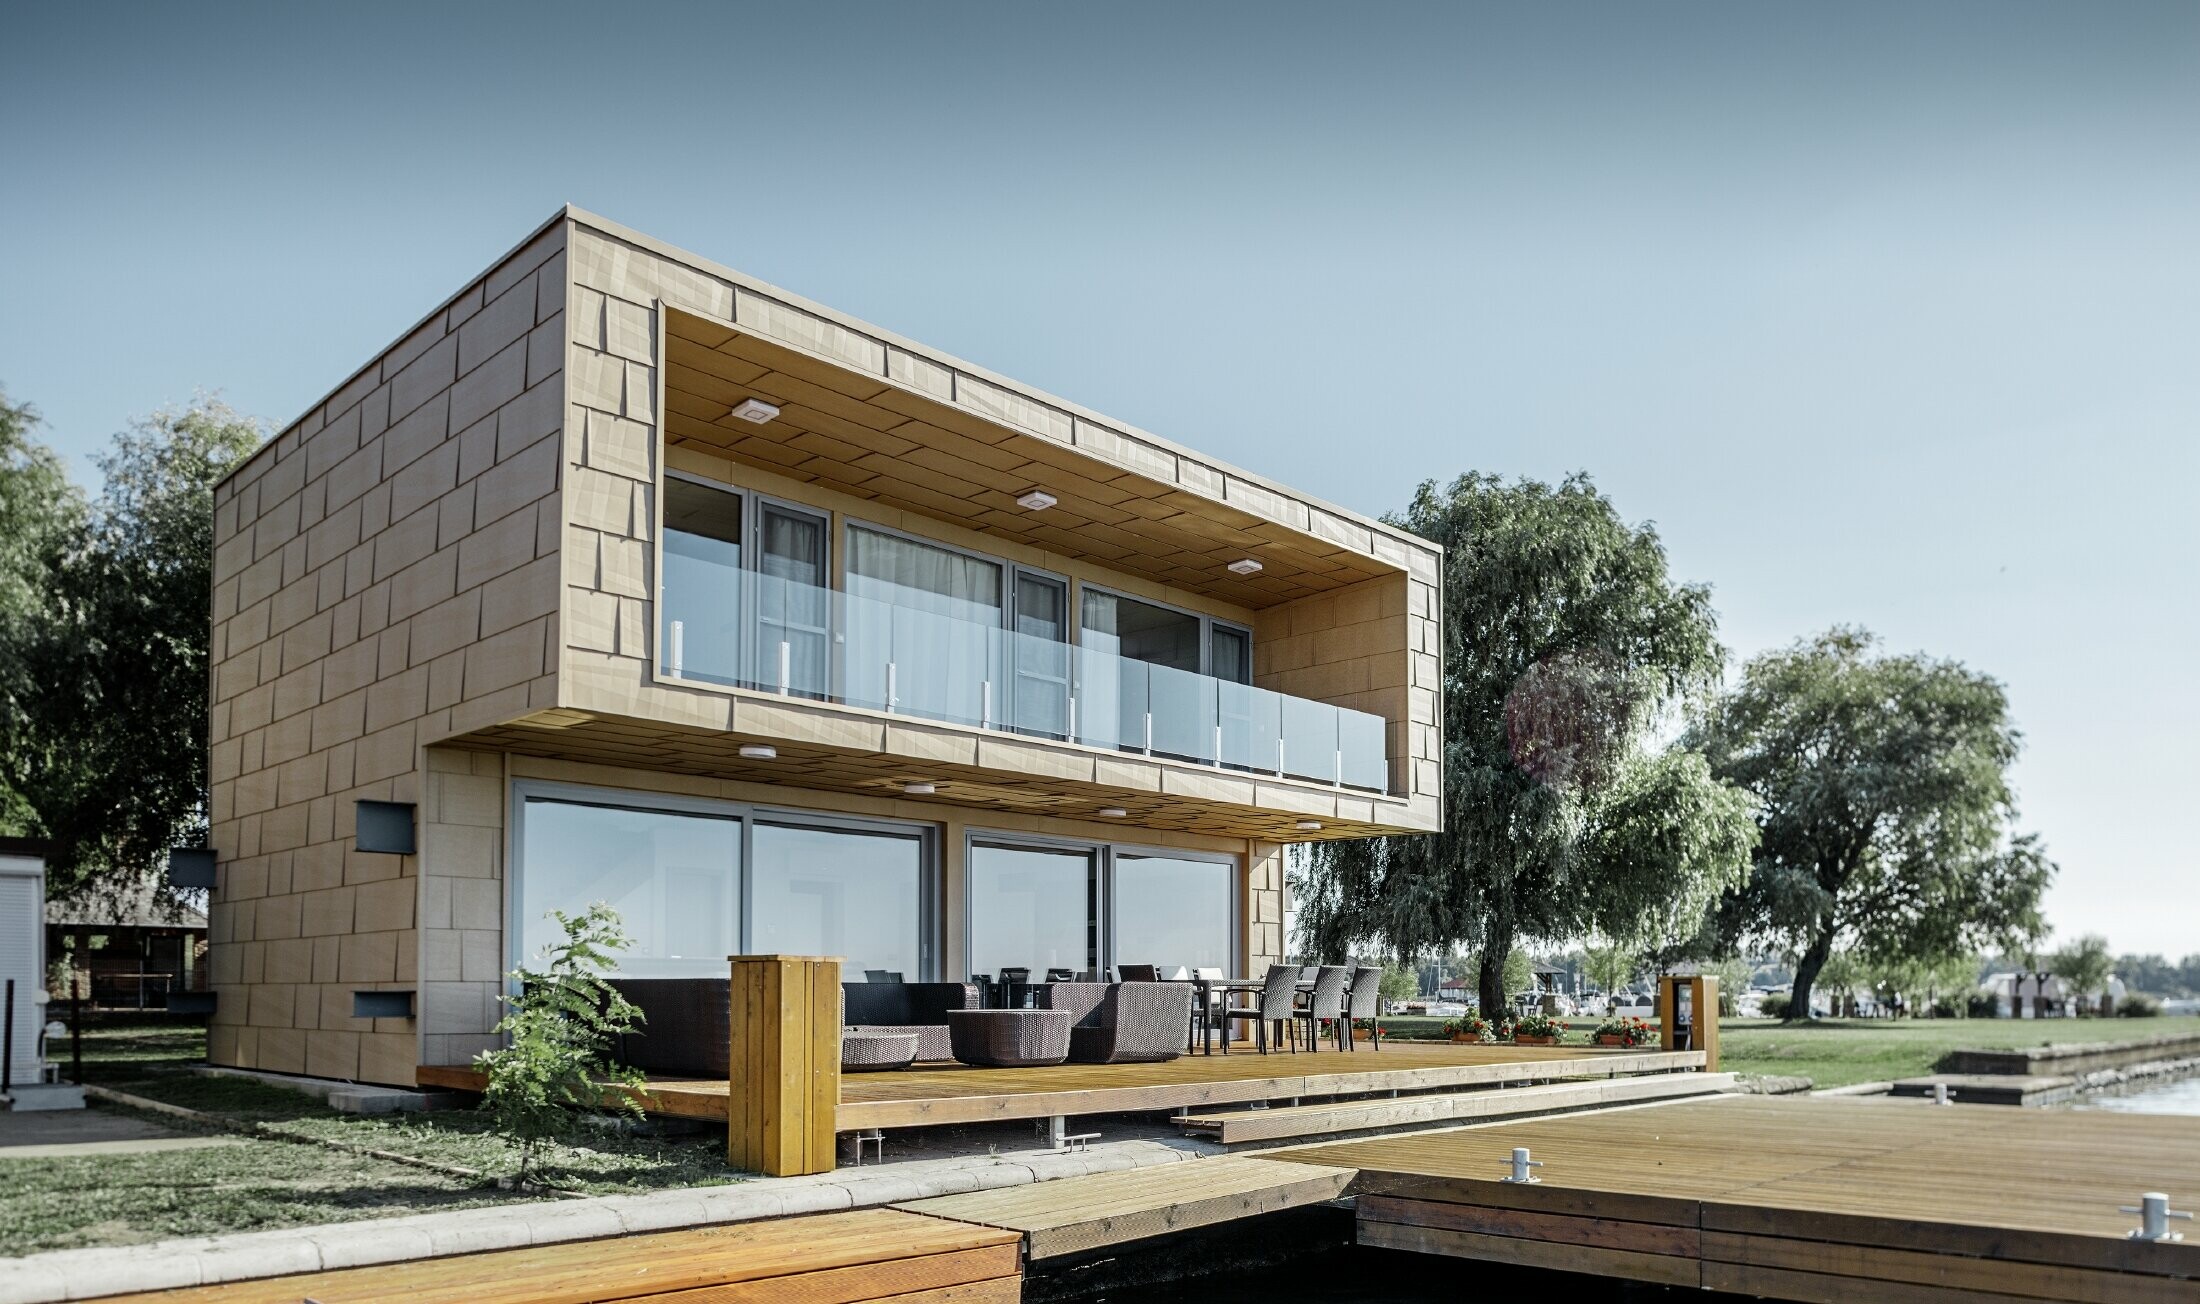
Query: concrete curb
204,1261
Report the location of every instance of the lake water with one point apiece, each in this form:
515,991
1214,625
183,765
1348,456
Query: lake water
2179,1097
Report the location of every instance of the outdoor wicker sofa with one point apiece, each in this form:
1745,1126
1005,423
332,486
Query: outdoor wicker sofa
687,1021
1122,1023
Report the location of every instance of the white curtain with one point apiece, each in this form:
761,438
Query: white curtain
934,615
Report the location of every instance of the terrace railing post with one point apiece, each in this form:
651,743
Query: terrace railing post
76,1030
783,1064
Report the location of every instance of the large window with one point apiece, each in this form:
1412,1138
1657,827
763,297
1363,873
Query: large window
673,877
695,881
1039,906
829,891
703,584
1170,910
1032,908
924,628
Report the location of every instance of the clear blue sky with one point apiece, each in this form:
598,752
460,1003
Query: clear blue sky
1885,314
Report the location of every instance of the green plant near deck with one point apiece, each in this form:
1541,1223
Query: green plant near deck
557,1069
1539,1025
1629,1030
1473,1027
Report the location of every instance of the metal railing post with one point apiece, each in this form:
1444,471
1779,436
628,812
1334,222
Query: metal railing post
786,667
675,647
893,696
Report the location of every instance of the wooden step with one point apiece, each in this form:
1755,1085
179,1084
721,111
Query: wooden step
1232,1126
1075,1214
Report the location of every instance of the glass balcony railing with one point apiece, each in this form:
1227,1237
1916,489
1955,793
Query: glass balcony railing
922,655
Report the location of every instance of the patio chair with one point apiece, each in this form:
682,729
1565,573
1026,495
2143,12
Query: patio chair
1202,1022
1061,975
881,976
1138,973
1364,1001
1326,1001
1276,1005
1121,1023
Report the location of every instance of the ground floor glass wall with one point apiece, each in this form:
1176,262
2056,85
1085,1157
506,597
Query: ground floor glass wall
1040,906
695,881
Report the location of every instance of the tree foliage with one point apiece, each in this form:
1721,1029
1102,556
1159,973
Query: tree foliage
2085,965
40,511
1564,644
103,736
557,1067
1882,785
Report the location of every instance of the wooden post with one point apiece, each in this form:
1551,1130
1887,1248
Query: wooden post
1703,1015
783,1064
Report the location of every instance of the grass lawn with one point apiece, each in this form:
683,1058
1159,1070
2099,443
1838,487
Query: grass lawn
1838,1052
48,1204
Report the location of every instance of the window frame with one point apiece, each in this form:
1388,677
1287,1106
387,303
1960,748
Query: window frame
748,815
1105,853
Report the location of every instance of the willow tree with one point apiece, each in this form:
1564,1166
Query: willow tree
1885,808
1565,643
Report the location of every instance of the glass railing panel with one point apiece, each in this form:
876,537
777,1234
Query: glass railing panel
1309,739
1183,705
1364,741
726,625
1038,684
792,652
704,602
1252,724
1112,700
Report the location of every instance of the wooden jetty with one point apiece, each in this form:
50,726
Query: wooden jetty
1077,1215
833,1258
1237,1126
1794,1198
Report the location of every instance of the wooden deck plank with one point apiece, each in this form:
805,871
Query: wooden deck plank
1236,1126
825,1259
1076,1215
1810,1198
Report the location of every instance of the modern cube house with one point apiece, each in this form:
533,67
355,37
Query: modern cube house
640,581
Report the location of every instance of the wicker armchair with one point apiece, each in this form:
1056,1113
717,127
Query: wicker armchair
1364,1001
1326,1001
1122,1023
1276,1005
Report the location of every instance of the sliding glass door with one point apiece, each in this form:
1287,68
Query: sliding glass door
694,881
1032,908
835,891
1036,905
673,876
793,601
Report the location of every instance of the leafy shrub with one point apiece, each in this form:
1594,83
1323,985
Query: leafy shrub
2138,1005
1631,1031
1981,1005
1539,1025
1775,1006
557,1069
1472,1026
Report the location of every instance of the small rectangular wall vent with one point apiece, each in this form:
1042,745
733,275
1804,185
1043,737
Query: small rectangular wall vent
191,867
381,1005
385,826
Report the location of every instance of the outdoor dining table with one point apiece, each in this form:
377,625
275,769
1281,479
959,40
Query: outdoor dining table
1206,987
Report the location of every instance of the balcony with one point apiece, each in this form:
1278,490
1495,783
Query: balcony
925,655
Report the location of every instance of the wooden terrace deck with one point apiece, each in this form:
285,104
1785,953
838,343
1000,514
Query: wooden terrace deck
1797,1198
937,1094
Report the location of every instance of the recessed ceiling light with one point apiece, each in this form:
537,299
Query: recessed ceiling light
1309,826
756,410
1245,566
1113,812
920,789
759,752
1036,500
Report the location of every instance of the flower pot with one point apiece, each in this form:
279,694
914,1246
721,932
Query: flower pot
1466,1039
1523,1039
1612,1039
